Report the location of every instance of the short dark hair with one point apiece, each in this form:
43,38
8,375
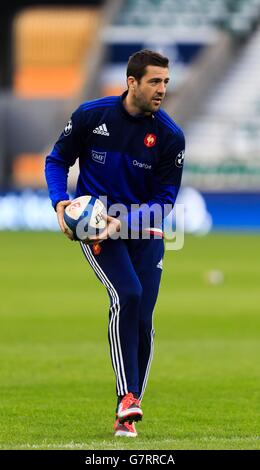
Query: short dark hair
138,62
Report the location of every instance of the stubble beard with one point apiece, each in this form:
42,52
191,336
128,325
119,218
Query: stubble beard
144,106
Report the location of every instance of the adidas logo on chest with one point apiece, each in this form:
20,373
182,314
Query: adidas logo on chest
102,130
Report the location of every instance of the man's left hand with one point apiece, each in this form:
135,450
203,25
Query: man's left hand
113,226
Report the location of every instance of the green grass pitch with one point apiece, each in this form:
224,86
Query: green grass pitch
56,380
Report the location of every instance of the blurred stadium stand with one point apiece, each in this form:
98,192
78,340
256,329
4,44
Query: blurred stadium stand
50,45
224,140
63,55
56,53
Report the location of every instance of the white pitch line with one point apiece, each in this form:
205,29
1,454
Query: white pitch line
115,445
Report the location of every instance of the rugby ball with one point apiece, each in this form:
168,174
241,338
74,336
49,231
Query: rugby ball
84,217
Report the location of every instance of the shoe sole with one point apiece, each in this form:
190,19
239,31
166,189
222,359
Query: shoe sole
133,415
125,434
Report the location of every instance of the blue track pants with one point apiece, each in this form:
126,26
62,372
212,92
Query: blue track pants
131,272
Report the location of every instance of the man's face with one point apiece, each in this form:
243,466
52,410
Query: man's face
149,92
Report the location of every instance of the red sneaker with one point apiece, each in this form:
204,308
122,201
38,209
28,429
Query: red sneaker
124,429
129,409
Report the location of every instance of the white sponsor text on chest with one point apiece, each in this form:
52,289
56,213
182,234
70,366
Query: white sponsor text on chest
142,165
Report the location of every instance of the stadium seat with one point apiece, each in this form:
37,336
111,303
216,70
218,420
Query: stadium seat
28,170
50,45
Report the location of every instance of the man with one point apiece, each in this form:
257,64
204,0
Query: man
132,152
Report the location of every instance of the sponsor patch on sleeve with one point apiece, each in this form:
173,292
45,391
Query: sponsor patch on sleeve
68,128
180,159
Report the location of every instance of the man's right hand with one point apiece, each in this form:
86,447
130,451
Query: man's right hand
60,208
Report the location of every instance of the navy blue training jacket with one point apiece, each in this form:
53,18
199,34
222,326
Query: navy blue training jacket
129,159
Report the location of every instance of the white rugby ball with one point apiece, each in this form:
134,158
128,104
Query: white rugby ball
84,217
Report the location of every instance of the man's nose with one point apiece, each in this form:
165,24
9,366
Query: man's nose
161,88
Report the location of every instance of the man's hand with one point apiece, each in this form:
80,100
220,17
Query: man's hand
60,208
113,226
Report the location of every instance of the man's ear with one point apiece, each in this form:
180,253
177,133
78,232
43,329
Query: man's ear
131,82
